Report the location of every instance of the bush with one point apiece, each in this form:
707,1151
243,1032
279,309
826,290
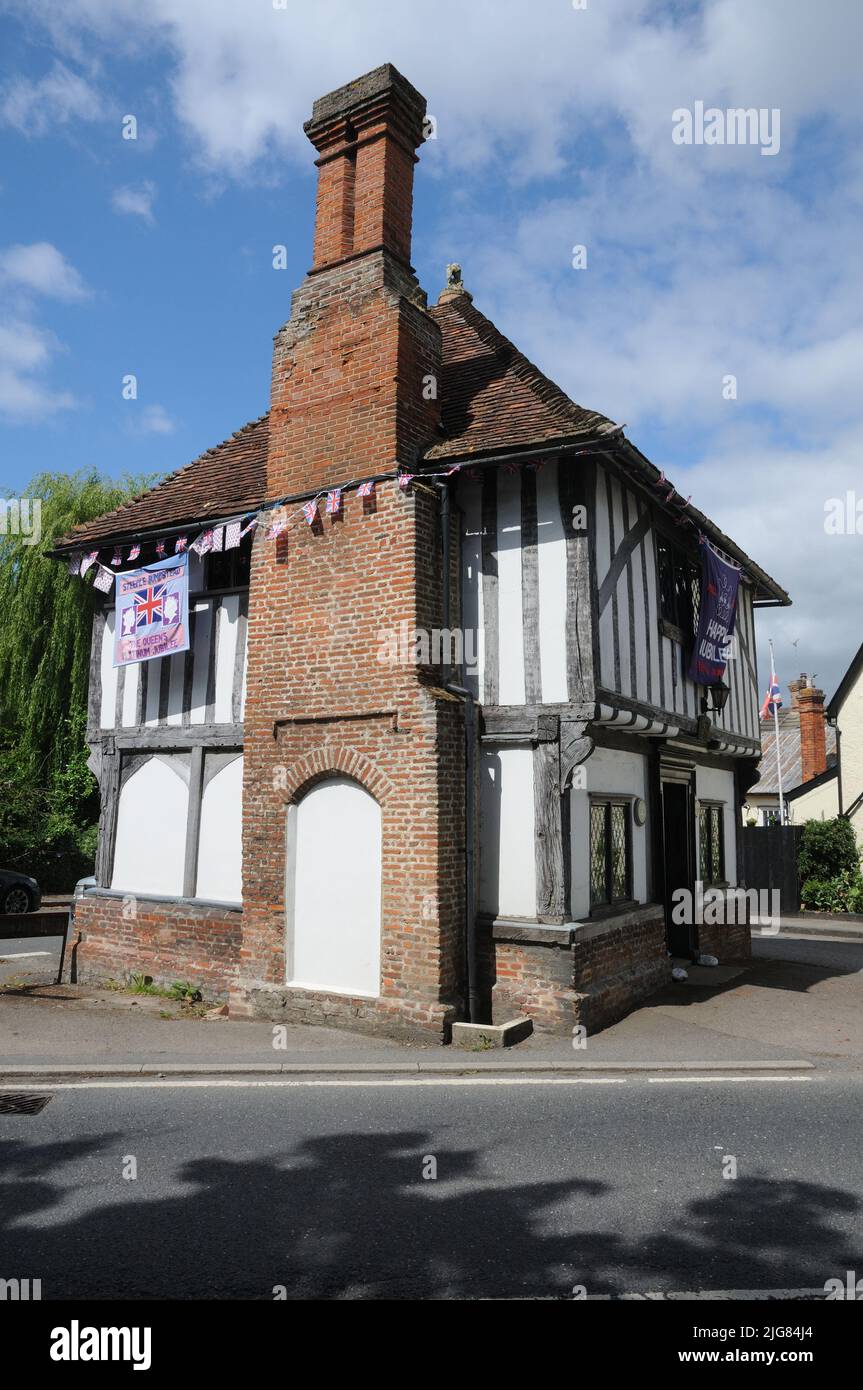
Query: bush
842,893
827,849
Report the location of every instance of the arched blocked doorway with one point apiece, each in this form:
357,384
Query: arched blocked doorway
333,889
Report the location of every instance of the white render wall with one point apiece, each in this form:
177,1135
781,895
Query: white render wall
507,874
607,770
716,784
150,844
220,839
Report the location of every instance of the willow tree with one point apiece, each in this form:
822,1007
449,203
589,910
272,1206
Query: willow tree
46,794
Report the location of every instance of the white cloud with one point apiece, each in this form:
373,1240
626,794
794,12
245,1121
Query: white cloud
27,349
38,107
135,201
154,419
42,269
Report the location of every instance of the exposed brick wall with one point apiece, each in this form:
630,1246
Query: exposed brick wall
170,941
813,738
350,399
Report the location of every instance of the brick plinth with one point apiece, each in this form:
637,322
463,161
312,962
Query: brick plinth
170,941
591,974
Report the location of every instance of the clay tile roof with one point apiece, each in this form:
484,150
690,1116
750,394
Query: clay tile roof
492,398
228,478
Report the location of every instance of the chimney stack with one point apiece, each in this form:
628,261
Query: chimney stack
809,703
365,134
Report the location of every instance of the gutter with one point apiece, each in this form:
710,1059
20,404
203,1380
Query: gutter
470,731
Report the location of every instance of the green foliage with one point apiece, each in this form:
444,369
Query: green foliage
842,893
48,798
827,848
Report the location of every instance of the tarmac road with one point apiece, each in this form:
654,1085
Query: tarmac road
616,1185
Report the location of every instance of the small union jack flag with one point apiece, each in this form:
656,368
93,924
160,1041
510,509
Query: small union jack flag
279,524
182,542
148,604
117,557
134,552
405,480
334,501
310,511
203,543
367,488
160,549
773,698
248,527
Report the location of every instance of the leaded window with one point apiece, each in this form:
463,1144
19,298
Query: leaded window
610,853
711,862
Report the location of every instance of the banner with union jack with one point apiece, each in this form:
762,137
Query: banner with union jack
152,617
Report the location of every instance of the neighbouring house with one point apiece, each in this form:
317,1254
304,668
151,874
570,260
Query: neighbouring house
838,790
434,749
806,756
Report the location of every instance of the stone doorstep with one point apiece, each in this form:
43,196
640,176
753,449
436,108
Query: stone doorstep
478,1035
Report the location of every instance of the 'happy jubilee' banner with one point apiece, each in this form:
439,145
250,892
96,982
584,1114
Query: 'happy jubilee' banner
716,616
152,611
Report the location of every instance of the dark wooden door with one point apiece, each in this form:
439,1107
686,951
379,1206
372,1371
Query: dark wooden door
678,834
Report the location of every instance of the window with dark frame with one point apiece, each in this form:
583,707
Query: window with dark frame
610,853
228,569
711,846
679,588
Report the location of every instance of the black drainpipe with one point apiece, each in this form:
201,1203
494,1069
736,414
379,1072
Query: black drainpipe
470,729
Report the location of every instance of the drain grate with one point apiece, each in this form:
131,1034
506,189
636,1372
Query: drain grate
22,1104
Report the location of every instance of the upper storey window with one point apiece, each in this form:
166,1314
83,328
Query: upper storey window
679,590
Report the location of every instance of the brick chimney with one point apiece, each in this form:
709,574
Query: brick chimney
795,687
354,395
351,366
809,703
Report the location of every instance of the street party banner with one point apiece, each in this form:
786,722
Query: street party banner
152,611
717,613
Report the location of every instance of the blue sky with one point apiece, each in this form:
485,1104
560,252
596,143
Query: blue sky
154,256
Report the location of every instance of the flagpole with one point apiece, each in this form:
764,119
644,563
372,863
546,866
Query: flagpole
776,729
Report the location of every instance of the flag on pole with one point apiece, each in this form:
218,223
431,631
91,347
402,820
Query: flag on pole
367,488
773,698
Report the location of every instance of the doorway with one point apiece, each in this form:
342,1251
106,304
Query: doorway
678,839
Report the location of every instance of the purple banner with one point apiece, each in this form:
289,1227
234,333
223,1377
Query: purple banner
152,611
717,613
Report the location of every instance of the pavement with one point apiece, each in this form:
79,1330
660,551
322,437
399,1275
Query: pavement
797,1005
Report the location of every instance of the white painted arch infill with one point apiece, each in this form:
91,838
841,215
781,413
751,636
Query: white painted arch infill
220,840
150,843
333,890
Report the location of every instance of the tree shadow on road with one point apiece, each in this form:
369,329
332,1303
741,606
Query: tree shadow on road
351,1216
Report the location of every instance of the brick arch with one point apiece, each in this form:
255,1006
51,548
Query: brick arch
344,761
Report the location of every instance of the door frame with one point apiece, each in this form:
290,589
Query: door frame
679,774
